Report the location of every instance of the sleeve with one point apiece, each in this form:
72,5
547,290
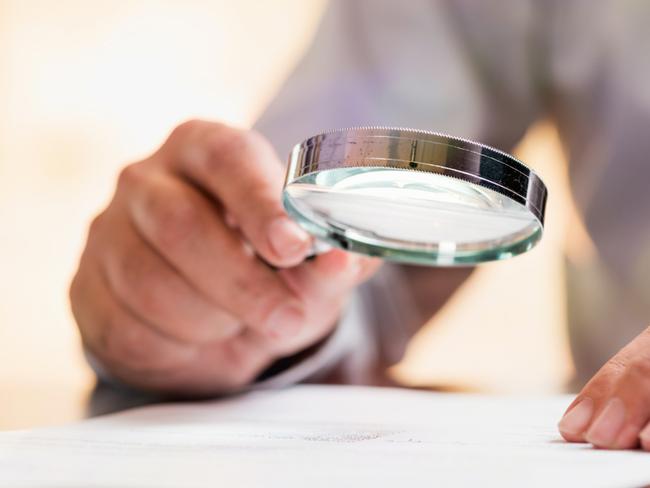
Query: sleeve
461,67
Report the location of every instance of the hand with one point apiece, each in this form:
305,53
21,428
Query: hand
613,410
174,291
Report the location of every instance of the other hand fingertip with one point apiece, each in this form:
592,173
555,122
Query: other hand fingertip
576,420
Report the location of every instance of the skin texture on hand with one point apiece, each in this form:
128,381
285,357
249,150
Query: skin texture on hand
193,279
613,410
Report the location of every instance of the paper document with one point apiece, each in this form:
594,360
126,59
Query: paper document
317,436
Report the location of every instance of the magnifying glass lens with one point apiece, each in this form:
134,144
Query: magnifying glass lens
409,215
417,216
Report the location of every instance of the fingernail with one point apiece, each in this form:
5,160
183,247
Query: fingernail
609,423
576,420
285,321
287,238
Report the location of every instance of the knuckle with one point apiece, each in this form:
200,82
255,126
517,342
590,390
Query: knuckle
639,370
224,143
186,128
130,176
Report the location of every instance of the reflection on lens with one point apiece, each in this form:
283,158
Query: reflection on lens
411,215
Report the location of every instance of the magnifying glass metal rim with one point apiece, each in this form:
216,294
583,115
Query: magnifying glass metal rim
420,151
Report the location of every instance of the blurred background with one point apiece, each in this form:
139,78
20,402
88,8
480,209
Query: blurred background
87,87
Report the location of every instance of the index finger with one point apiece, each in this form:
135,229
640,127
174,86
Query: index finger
241,170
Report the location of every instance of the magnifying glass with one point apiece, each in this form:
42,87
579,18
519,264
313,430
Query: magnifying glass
414,196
